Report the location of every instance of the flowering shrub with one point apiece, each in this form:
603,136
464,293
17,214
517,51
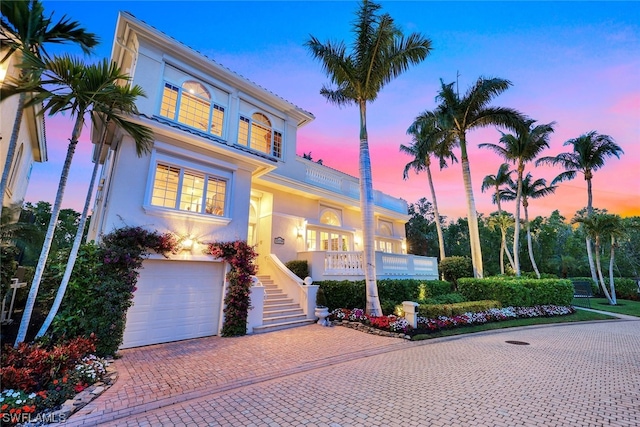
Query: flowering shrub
492,315
14,403
101,288
91,368
399,324
30,367
240,257
390,323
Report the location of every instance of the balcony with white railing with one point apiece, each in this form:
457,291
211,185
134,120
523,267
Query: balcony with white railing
349,186
338,265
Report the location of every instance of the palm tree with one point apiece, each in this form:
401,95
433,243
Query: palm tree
521,148
589,154
119,102
503,221
459,115
597,226
530,189
428,141
24,29
68,85
497,181
380,52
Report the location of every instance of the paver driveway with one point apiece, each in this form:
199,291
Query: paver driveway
584,374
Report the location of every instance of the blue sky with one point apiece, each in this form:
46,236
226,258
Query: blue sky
575,63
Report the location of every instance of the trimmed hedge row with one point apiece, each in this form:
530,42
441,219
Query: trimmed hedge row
626,288
344,293
518,292
450,310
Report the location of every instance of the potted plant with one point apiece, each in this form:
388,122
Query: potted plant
322,311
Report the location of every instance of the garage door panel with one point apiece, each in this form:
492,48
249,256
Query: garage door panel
175,300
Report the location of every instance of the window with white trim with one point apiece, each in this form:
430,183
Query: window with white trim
258,134
187,190
327,240
191,104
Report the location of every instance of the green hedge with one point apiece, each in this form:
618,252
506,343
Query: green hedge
626,288
518,292
348,294
298,267
434,311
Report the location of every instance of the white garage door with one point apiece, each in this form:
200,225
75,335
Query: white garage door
175,300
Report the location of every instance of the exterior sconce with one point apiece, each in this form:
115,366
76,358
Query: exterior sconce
356,241
300,231
187,244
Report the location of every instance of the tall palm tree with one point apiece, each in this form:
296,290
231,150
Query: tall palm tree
68,85
599,226
521,148
379,53
119,102
459,115
503,221
590,152
497,182
24,29
427,141
530,189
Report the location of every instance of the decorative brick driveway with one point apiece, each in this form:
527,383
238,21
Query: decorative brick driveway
584,374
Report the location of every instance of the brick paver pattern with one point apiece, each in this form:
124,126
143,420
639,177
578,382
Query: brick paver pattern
584,374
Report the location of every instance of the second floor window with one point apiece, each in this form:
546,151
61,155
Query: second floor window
191,105
186,190
256,133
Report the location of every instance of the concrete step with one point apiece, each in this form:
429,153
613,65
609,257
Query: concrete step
279,326
279,311
281,306
283,319
279,299
274,291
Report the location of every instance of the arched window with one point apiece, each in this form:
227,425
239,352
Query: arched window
191,105
330,217
258,134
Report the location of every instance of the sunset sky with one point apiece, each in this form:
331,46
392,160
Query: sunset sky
575,63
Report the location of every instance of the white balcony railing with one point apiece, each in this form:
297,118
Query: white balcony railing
330,265
349,186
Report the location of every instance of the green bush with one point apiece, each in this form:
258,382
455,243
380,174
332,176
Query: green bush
456,267
627,288
452,298
298,267
448,310
518,292
392,292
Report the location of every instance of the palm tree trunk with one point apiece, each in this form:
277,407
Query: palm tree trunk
592,267
437,215
366,206
602,284
611,264
11,149
62,289
516,232
503,243
44,254
472,214
529,245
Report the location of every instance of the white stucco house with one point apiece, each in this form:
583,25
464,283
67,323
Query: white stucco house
224,167
31,145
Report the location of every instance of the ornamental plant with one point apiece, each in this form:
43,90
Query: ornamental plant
102,285
240,256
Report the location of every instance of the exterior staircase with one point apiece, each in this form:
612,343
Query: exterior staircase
280,312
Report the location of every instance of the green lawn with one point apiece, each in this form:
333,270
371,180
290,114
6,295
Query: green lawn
579,316
625,306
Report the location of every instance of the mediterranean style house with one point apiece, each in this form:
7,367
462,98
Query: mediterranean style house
224,167
31,145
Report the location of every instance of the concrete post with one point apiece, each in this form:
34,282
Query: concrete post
410,309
